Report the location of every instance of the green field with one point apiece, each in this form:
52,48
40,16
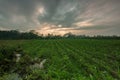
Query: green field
72,59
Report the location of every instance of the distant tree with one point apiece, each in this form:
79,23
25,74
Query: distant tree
14,34
32,34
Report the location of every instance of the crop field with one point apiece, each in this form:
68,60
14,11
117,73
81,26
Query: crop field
70,59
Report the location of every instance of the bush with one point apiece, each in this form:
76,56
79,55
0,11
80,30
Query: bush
12,76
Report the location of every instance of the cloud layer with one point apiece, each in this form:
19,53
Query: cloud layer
77,16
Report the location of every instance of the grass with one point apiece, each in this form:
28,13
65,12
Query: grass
72,59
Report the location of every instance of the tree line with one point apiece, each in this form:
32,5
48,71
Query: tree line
15,34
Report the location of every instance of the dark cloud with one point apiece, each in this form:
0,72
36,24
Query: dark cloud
23,7
86,15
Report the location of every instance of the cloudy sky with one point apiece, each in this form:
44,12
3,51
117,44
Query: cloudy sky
90,17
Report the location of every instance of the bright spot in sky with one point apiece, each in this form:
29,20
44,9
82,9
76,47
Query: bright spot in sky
41,10
59,25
